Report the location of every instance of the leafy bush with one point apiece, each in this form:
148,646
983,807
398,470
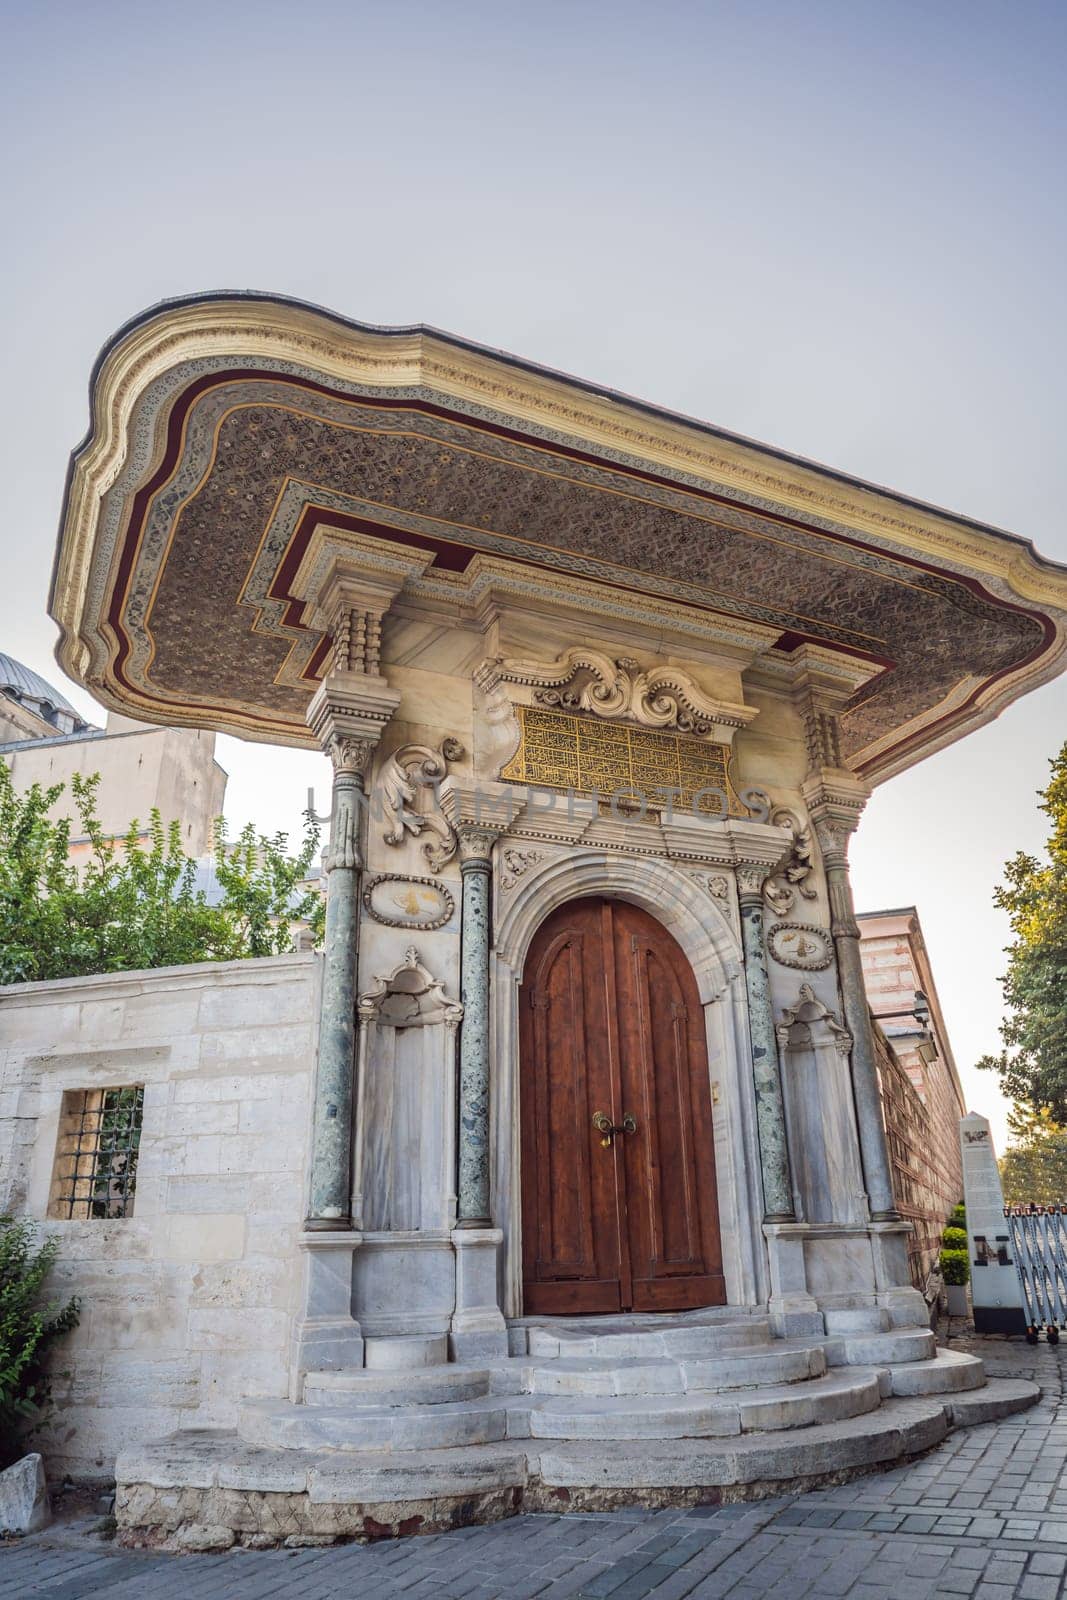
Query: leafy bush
955,1266
957,1217
954,1239
27,1328
1032,1066
133,903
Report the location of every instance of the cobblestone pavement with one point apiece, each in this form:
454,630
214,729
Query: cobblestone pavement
984,1515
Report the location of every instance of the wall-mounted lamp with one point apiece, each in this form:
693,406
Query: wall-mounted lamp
919,1009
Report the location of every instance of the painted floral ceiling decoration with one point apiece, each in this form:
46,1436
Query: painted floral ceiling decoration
226,429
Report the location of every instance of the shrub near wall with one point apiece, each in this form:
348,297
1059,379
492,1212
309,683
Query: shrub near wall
28,1328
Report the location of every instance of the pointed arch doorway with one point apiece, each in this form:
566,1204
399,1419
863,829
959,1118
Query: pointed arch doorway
619,1204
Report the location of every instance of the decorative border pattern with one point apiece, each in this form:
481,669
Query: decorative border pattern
423,924
820,934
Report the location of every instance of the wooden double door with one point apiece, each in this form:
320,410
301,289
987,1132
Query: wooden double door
619,1208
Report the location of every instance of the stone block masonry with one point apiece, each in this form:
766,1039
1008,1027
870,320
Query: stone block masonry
186,1303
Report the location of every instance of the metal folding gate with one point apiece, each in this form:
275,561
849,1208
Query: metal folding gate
1039,1239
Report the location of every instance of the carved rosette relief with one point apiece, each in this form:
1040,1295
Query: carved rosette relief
409,773
515,864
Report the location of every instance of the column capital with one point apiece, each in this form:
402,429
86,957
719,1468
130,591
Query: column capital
835,800
475,845
347,714
751,877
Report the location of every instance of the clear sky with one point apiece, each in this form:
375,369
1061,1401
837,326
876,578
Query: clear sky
834,225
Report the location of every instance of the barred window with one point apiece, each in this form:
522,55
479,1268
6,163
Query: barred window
96,1153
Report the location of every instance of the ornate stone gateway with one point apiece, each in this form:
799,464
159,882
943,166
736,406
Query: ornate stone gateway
618,1168
605,691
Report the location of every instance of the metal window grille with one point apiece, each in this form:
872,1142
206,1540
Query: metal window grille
96,1156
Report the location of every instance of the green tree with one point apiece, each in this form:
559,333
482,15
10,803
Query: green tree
1033,1064
132,903
27,1328
1034,1166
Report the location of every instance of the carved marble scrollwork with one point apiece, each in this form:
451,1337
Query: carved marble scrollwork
583,679
780,890
412,768
515,863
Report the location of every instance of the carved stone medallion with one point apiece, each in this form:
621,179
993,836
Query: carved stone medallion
401,902
801,945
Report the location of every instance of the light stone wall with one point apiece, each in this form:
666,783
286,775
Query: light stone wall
140,767
186,1304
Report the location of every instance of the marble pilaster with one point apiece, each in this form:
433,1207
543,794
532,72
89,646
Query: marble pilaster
834,804
766,1075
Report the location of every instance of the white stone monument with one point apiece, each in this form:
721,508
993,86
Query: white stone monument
996,1297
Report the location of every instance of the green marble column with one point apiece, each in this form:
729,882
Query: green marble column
766,1076
475,846
331,1153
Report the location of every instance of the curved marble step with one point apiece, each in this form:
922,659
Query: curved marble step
949,1372
429,1386
666,1337
998,1398
900,1428
208,1458
881,1349
769,1408
741,1369
276,1424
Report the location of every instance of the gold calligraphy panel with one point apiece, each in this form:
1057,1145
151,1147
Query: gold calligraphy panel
558,751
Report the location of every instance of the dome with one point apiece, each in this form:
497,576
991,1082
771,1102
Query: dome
34,693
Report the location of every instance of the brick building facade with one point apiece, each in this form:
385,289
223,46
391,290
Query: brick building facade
921,1094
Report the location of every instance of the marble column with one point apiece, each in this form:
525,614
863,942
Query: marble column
475,847
331,1151
766,1076
348,713
833,832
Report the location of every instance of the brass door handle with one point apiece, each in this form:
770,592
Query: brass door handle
608,1129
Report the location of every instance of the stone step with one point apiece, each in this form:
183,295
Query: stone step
656,1337
405,1352
769,1408
1000,1397
741,1369
210,1475
949,1372
881,1349
279,1425
426,1386
900,1428
857,1319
